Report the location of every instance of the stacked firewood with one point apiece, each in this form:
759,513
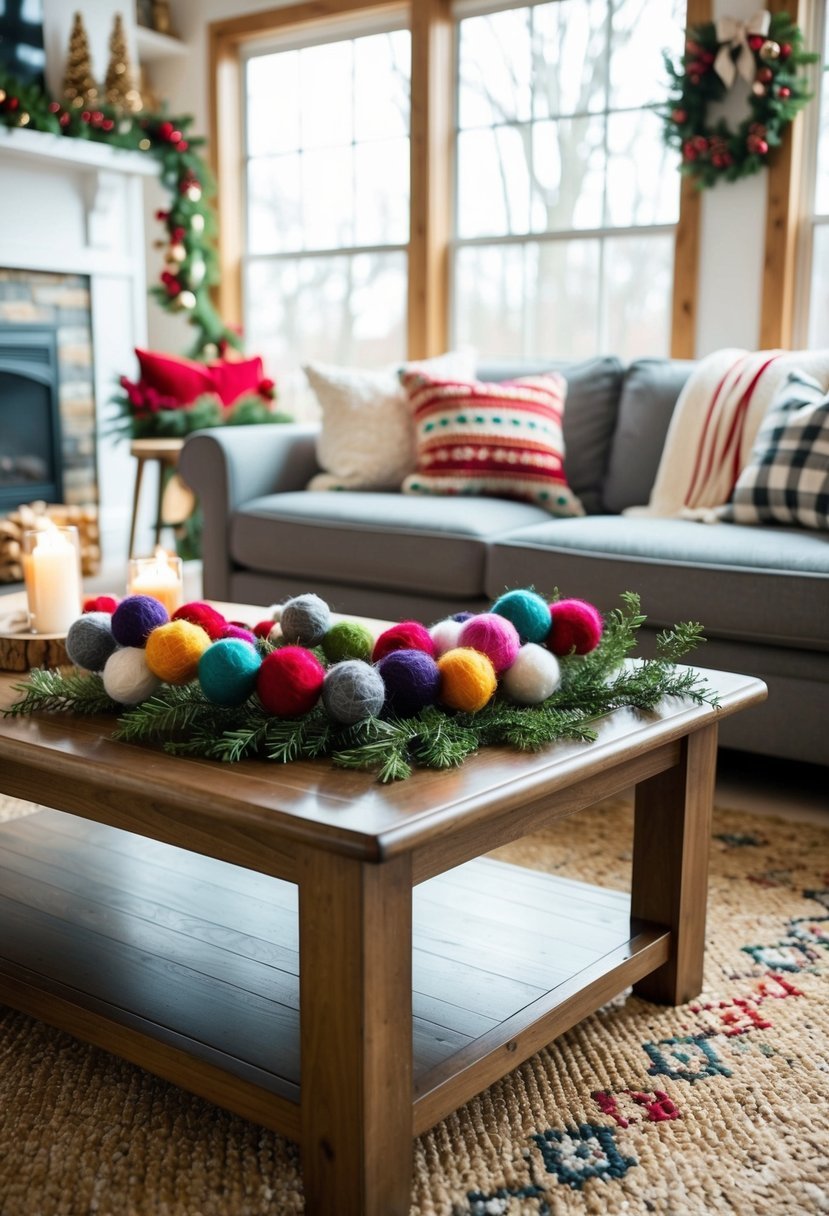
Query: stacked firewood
39,515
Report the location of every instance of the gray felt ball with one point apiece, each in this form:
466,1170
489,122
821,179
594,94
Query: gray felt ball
305,620
353,690
89,642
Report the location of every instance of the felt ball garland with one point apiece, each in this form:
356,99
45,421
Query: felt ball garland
290,681
467,679
135,618
494,636
228,670
576,627
529,613
408,635
353,690
412,681
90,642
174,651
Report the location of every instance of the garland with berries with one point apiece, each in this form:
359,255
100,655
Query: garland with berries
284,718
189,221
768,54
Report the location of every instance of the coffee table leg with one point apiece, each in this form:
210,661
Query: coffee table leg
672,837
355,959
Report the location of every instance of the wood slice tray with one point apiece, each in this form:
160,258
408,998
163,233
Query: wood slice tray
21,650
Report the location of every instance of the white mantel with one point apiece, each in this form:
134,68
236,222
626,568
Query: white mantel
76,207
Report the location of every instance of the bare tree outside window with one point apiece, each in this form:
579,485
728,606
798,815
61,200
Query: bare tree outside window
566,195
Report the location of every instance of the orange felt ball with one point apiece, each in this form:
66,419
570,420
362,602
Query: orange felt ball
174,650
467,679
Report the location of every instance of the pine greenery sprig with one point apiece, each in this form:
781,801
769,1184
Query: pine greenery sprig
185,723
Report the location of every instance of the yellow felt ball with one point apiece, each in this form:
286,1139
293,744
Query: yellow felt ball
467,679
173,651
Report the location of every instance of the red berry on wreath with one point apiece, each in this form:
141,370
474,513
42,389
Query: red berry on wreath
54,106
756,41
785,50
679,116
65,119
694,78
766,75
107,124
784,91
762,147
700,143
12,103
165,130
175,136
689,151
182,145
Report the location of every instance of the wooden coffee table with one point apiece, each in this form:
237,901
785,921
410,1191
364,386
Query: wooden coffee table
308,948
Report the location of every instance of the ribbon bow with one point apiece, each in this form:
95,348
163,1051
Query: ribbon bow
734,36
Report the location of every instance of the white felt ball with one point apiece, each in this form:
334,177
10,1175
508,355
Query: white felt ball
275,612
445,635
533,677
127,678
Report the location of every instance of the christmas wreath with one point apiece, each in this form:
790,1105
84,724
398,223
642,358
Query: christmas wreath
525,674
765,52
188,220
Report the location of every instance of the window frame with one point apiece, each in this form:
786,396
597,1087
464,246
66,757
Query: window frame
818,33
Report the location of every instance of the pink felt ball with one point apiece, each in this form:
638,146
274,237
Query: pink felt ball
408,635
198,613
240,632
290,682
577,626
494,636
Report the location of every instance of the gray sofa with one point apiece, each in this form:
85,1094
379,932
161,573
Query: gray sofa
761,593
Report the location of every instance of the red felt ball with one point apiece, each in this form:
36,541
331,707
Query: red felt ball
408,635
101,603
577,626
290,682
199,613
263,629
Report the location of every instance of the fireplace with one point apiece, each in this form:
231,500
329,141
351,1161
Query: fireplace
31,465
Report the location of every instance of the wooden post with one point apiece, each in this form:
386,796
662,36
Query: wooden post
672,836
355,960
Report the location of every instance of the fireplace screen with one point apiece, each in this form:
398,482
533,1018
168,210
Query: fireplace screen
30,441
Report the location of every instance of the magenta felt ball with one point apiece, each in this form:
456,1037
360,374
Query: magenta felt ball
198,613
239,632
494,636
577,626
412,680
290,682
408,635
135,618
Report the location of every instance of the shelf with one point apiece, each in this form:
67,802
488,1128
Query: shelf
151,45
190,966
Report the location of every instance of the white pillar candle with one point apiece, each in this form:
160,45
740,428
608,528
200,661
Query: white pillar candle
53,579
159,576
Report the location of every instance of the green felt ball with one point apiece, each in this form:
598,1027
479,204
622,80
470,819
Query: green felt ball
529,613
228,670
347,640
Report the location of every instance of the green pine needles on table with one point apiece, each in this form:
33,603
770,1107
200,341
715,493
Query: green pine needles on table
184,723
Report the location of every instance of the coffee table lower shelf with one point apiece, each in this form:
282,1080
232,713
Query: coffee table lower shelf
190,967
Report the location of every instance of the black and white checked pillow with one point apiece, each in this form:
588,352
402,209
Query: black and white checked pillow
786,480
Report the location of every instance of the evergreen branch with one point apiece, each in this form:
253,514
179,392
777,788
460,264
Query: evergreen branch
56,691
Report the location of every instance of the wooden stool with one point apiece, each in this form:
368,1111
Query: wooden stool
165,452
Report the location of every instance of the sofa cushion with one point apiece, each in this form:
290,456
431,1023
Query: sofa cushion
648,396
593,388
436,546
764,585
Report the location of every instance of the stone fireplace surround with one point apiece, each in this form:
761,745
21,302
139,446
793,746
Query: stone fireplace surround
72,253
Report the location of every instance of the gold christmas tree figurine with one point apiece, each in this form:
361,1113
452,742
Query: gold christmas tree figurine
79,87
120,88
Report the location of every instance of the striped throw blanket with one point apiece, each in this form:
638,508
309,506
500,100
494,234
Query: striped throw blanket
714,426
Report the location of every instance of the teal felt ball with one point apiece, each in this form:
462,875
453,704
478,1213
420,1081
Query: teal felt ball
228,670
347,640
90,641
529,613
353,690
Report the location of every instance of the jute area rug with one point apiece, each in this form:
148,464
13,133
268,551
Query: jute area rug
719,1106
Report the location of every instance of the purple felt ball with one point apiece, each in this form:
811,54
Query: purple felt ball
494,636
135,618
412,680
462,616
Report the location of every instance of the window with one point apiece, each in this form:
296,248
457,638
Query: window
327,202
566,196
818,238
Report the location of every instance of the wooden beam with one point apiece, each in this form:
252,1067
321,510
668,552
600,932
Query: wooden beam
275,20
783,178
687,241
432,134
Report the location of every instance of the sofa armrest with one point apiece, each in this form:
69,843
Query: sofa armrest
230,465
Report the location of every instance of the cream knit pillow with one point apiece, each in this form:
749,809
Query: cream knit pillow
367,437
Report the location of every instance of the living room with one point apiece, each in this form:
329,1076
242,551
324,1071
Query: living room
376,378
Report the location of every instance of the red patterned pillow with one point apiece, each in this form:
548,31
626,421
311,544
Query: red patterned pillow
185,380
501,440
